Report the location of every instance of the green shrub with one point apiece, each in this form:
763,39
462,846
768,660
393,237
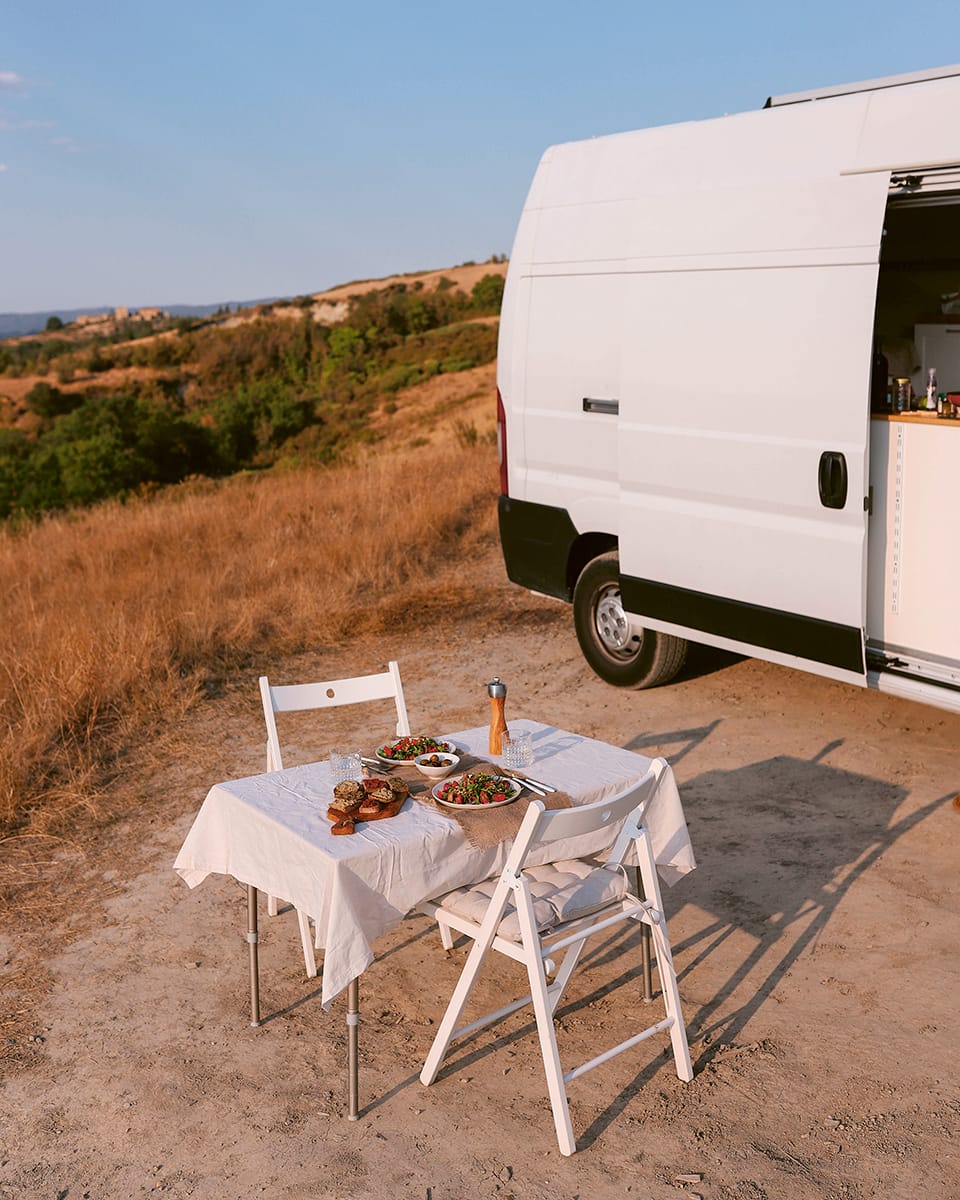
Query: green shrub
15,451
401,376
42,485
487,294
97,362
96,467
48,401
235,431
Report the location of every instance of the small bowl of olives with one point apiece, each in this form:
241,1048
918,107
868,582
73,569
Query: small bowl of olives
436,766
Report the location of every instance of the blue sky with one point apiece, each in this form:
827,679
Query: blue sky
194,153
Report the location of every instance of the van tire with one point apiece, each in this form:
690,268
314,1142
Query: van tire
646,659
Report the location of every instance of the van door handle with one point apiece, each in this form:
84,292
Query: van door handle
601,406
832,478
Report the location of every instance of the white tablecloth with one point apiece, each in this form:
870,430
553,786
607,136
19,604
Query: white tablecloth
272,831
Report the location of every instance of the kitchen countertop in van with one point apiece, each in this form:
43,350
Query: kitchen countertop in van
917,418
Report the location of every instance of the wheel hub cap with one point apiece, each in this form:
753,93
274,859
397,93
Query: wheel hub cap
613,627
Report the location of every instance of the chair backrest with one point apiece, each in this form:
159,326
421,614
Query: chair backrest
624,810
302,697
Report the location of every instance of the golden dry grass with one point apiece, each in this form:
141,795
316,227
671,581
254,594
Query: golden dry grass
116,617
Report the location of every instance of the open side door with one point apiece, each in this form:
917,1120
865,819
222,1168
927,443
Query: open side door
744,420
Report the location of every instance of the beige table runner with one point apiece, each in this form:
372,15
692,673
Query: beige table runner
483,827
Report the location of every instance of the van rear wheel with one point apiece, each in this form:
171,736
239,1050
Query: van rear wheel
620,654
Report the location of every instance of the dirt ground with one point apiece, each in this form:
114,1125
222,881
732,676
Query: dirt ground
815,944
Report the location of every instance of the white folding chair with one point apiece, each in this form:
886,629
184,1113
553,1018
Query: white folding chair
304,697
529,913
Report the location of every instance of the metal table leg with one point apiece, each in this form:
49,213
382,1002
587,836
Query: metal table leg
353,1031
645,960
253,939
353,1006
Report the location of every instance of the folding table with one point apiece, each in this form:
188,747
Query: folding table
272,833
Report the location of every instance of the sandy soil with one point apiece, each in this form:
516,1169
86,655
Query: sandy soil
816,946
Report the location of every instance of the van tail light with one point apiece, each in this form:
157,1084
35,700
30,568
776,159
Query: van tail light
502,444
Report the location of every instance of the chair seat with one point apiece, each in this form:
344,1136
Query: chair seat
562,891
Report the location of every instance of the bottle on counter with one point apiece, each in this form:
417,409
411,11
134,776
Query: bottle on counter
941,404
931,404
903,396
879,389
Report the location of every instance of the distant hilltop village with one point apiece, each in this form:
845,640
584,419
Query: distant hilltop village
121,314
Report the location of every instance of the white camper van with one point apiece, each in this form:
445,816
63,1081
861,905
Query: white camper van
702,433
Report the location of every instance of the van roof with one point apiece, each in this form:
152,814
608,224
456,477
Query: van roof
865,85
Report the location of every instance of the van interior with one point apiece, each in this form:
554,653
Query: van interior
913,574
919,280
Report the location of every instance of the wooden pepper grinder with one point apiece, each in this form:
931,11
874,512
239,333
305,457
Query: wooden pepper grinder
497,691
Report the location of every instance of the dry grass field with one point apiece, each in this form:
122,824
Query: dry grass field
119,617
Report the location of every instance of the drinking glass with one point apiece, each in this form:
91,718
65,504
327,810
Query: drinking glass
345,766
517,750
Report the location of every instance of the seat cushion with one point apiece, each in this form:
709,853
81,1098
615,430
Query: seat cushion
561,891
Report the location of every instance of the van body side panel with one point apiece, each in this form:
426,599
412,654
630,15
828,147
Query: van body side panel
512,349
574,335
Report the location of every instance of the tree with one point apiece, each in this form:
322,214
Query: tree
53,323
94,468
15,450
235,430
48,401
487,293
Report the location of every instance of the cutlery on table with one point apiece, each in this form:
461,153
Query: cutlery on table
547,787
538,789
537,783
375,765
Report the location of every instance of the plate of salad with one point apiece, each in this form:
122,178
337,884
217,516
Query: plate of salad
406,749
476,790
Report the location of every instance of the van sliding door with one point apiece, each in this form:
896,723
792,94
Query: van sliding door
744,401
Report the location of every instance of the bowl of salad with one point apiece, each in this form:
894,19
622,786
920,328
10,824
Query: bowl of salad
406,749
476,791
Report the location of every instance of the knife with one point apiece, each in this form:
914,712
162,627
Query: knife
538,789
547,787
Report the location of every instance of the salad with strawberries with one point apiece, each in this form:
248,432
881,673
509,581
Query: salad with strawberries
476,788
406,749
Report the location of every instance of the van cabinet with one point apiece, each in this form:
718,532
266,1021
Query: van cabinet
913,565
